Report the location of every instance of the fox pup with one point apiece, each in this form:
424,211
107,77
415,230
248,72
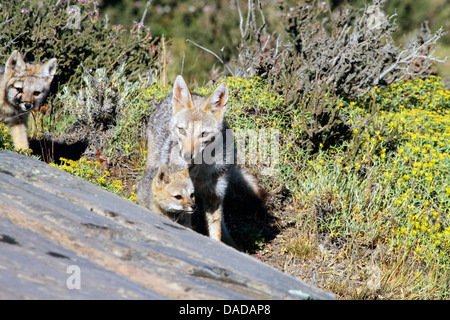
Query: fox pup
23,87
168,193
172,194
189,131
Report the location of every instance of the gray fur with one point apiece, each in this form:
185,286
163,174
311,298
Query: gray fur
210,179
144,195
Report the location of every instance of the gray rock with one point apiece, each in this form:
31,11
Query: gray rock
58,232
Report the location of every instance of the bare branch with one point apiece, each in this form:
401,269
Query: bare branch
262,13
265,44
215,55
247,23
241,19
182,63
145,13
6,21
11,41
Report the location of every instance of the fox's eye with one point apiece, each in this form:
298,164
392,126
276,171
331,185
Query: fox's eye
192,196
182,131
178,197
19,90
205,134
36,93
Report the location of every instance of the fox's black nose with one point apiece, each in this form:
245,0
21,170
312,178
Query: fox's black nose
28,105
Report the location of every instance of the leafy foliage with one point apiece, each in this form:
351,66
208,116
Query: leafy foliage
383,188
328,55
77,36
348,51
6,142
110,112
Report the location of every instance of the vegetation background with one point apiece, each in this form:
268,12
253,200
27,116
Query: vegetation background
214,24
360,204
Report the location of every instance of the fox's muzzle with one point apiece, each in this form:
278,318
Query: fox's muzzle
190,147
28,105
191,209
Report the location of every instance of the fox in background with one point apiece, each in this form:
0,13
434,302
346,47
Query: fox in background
23,87
189,131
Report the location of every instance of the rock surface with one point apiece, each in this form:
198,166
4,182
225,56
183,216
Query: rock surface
58,232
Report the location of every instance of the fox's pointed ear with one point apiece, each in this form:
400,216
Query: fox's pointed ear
218,100
15,62
181,95
162,176
48,69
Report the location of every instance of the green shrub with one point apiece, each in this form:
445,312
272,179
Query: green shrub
91,171
383,189
329,56
110,113
6,142
387,187
78,37
353,51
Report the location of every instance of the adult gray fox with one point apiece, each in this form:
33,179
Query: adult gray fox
189,131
